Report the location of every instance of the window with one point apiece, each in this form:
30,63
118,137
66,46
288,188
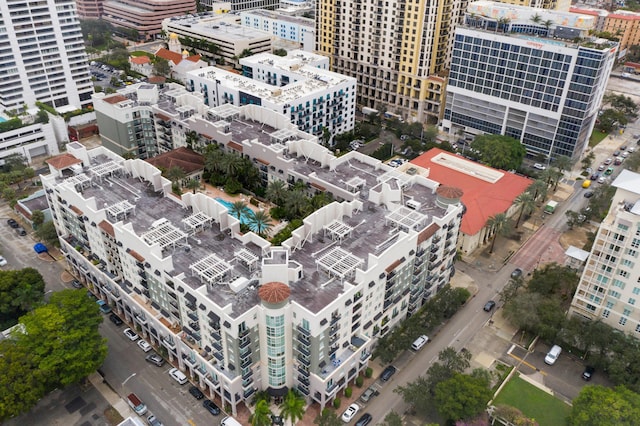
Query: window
605,313
615,294
635,243
626,312
622,321
618,284
627,263
623,227
623,273
632,301
636,290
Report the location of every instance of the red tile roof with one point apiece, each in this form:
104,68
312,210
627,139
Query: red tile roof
63,161
483,199
115,99
274,292
234,145
107,227
169,55
194,58
188,160
156,79
140,60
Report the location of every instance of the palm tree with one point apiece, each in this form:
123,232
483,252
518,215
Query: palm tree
232,164
548,23
260,222
237,209
193,184
527,203
175,174
538,189
499,224
296,203
191,137
320,200
262,415
276,191
214,159
293,408
536,19
563,163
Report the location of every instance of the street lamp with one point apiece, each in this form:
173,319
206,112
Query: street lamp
127,379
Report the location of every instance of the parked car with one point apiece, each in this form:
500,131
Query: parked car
76,284
595,176
350,413
616,153
588,194
115,319
21,231
178,376
211,407
364,420
387,373
144,345
539,166
153,421
155,359
608,161
516,273
489,306
104,306
13,223
602,179
130,334
587,374
608,171
623,148
553,355
3,261
601,167
368,394
197,393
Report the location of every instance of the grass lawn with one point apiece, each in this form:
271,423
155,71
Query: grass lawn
596,137
533,402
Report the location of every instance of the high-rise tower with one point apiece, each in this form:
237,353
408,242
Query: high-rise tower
42,55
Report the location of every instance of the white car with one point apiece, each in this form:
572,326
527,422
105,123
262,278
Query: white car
3,261
632,149
350,413
178,376
131,334
539,166
144,345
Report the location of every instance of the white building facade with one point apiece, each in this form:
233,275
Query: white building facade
42,56
29,141
234,312
609,288
284,26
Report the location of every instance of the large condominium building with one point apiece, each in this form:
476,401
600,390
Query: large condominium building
398,51
239,5
609,289
42,55
218,36
144,17
297,86
531,74
284,26
234,312
89,9
560,5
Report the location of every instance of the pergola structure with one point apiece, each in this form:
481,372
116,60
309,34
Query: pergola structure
283,135
247,259
339,263
404,218
197,222
337,230
105,169
120,210
164,233
355,184
226,112
211,269
79,181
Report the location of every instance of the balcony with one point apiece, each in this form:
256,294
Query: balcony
303,339
304,331
334,319
247,362
304,380
248,374
304,350
303,372
244,343
304,361
245,354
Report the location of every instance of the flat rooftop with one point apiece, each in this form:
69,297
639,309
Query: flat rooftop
216,26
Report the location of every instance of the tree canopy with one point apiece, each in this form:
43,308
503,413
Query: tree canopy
602,406
498,151
20,291
462,396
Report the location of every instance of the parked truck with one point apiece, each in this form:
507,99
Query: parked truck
550,207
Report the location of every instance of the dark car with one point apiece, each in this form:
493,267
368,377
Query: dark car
489,306
211,407
13,223
588,194
615,154
197,393
595,176
587,374
21,231
76,284
115,319
516,273
387,373
623,148
364,420
155,359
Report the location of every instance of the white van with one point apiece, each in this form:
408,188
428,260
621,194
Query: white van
553,355
178,376
419,343
229,421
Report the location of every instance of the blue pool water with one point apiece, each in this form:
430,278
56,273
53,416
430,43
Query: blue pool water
2,119
244,217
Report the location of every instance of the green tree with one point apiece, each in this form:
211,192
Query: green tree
602,406
462,397
538,189
260,222
296,203
232,165
392,419
610,118
293,407
499,225
47,233
501,152
193,184
262,414
276,191
513,415
175,174
526,202
37,218
327,418
536,18
63,338
554,279
20,291
563,163
161,67
237,209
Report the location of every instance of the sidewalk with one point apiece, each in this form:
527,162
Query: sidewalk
111,396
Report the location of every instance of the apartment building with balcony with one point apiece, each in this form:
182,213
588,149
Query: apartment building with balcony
42,56
297,86
234,312
540,83
284,26
144,16
609,288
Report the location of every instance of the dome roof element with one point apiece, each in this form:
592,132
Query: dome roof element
274,292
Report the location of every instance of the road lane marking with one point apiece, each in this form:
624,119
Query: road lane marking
522,361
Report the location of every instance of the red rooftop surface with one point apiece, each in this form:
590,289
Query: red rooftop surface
274,292
63,161
188,160
483,199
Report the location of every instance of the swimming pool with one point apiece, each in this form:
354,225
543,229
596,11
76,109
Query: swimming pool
2,119
244,217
